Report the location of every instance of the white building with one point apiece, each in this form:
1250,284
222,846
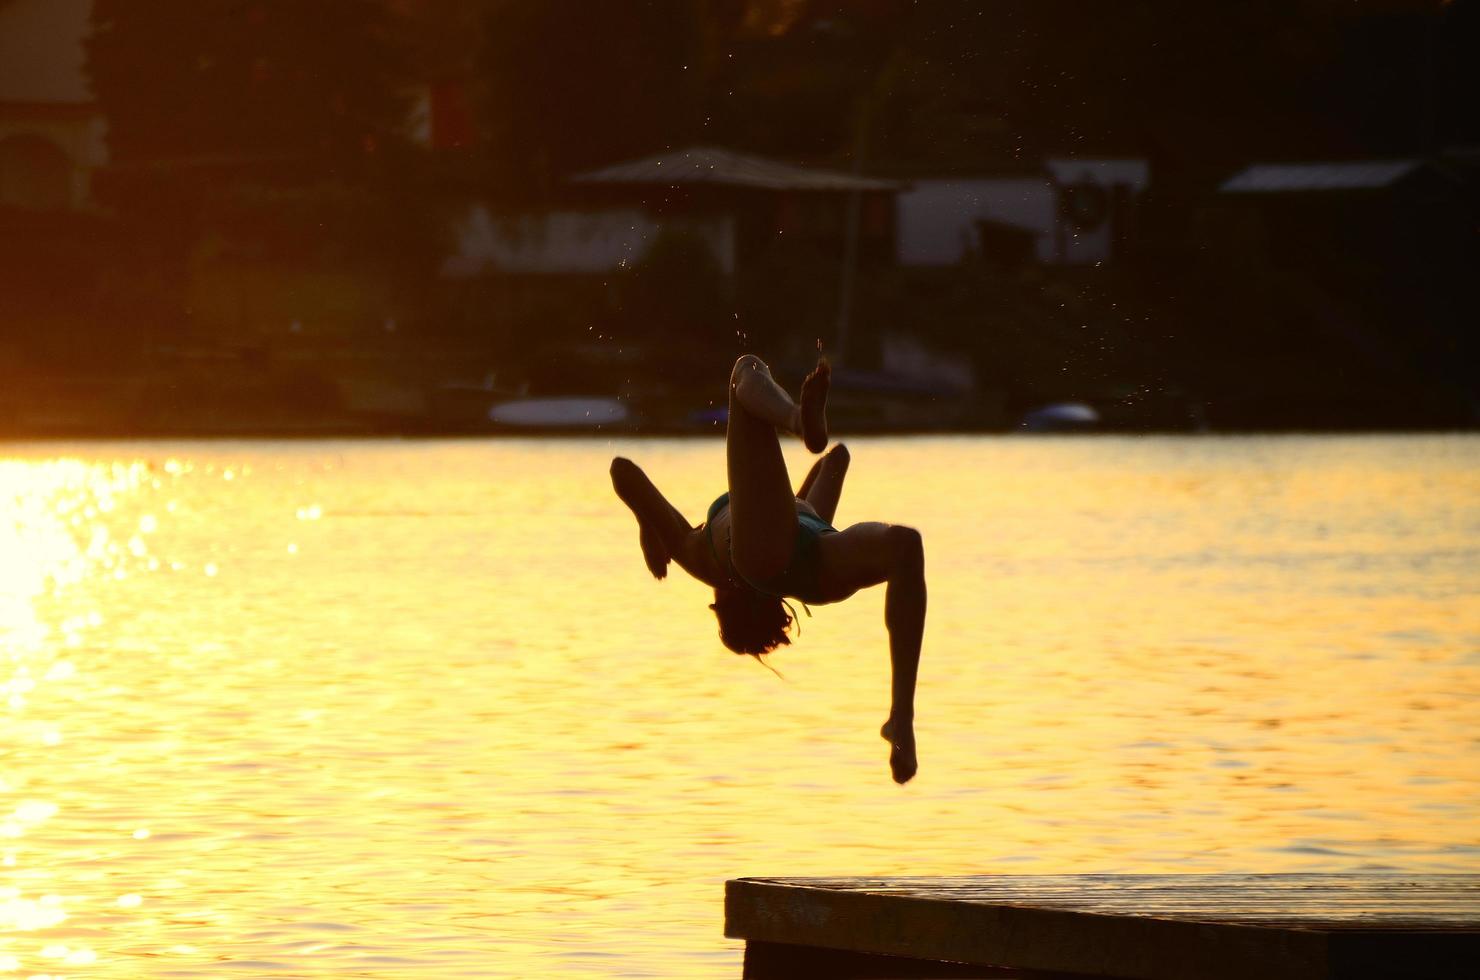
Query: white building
1074,212
52,134
732,202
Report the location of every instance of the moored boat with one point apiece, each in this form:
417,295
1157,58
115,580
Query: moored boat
558,413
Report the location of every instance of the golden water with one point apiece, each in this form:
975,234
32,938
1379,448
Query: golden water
416,709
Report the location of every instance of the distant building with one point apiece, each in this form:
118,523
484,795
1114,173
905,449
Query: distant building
1373,261
52,133
1071,212
1302,178
735,203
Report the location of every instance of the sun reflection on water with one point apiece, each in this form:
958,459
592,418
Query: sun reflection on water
66,524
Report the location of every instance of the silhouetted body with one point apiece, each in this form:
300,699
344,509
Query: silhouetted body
761,543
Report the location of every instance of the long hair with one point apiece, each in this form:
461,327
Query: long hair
751,622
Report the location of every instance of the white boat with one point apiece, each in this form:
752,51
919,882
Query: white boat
558,413
1060,417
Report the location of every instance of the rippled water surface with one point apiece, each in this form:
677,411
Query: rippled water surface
416,709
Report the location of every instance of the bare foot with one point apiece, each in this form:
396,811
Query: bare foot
812,412
901,738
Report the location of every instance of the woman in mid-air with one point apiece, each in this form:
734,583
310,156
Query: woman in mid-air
760,544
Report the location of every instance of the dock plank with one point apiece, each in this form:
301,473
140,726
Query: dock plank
1141,927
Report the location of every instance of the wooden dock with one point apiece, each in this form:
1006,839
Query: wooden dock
1136,927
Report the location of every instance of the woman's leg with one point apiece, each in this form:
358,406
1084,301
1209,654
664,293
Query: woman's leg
823,486
763,515
865,555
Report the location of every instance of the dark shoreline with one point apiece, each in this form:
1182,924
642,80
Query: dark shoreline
371,433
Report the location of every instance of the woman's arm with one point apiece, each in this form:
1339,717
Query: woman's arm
663,532
865,555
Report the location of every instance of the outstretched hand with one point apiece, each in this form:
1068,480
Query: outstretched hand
653,552
638,493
